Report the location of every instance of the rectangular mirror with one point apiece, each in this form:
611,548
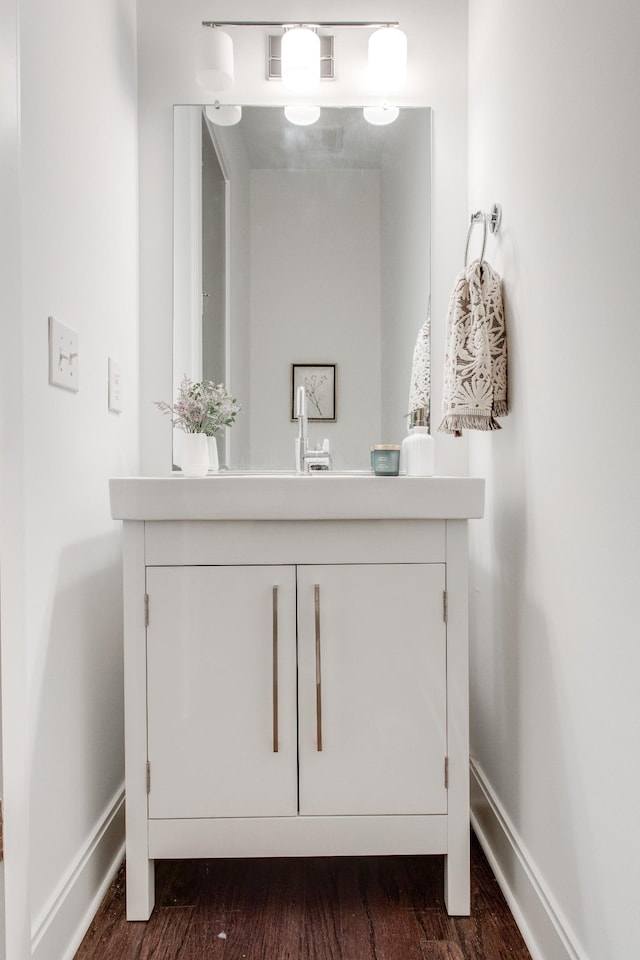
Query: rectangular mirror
301,246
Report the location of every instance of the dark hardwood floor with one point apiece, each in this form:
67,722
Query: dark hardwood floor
351,908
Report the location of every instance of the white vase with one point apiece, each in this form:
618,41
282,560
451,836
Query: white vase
214,463
194,459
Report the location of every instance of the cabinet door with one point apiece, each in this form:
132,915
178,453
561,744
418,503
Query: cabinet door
211,689
375,636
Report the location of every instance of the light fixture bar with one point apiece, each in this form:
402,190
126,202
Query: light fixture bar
299,23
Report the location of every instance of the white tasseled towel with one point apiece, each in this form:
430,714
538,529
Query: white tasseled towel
420,389
475,371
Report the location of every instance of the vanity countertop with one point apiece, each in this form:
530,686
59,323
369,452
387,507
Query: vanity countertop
289,497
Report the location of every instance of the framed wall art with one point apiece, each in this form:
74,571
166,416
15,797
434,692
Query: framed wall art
319,381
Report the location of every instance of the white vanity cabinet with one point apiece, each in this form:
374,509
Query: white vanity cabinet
297,685
232,712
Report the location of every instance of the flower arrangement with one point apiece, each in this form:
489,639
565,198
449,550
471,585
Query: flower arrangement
203,407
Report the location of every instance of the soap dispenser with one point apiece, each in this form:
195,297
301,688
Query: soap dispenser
418,448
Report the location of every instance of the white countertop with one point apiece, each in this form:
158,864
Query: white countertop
328,496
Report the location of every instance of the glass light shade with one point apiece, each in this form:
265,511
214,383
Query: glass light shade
216,60
302,114
300,60
380,116
387,58
224,114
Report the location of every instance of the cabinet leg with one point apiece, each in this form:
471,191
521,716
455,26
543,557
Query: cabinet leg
457,882
141,893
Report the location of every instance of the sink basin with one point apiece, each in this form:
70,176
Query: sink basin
354,495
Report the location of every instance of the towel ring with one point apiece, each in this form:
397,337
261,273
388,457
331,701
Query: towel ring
495,218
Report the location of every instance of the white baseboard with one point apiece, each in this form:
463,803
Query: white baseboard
58,931
544,927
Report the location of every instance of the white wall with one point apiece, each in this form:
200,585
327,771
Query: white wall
75,234
303,299
555,138
169,36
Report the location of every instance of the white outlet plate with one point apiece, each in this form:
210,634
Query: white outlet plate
115,386
64,359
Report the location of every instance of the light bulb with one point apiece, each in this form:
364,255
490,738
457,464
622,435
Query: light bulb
216,58
380,116
387,59
301,60
302,114
224,114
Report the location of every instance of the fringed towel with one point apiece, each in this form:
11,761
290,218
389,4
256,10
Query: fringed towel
475,372
420,389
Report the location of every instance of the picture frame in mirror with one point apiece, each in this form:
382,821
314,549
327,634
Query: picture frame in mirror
319,381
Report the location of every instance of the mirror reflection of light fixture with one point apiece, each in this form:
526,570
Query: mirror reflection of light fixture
224,114
302,114
387,58
216,53
301,59
380,116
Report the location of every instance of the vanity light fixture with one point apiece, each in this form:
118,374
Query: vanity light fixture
224,114
380,116
216,61
387,59
301,56
302,114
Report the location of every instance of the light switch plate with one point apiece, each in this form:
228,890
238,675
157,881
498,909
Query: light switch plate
64,359
115,386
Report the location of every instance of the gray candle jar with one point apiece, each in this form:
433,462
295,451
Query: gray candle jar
385,459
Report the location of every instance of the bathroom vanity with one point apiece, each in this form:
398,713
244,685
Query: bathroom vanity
296,669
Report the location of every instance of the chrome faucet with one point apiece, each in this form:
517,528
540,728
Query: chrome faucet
307,460
302,440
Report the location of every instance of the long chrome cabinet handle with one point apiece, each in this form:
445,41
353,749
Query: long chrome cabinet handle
275,669
318,671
